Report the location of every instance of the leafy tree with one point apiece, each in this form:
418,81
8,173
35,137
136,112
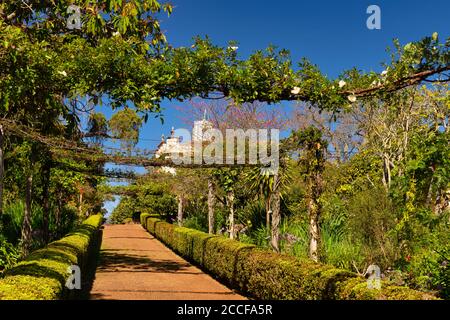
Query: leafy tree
125,125
149,194
227,179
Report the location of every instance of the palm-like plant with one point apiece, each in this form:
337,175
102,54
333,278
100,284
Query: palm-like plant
270,187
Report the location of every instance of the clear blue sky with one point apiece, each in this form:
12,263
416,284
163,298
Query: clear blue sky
331,34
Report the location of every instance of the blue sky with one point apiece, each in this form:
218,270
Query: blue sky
331,34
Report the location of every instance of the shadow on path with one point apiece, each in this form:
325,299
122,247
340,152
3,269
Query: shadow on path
117,261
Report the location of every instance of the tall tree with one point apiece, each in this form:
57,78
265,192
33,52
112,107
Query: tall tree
227,179
26,226
211,205
312,148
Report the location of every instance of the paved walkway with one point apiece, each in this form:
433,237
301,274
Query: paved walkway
136,266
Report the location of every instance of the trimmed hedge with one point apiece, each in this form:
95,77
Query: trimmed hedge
143,217
43,274
269,276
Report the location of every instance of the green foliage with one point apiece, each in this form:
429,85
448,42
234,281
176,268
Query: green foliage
125,125
9,254
371,217
429,265
338,248
12,219
252,215
43,274
341,251
146,196
120,52
198,222
227,178
97,126
99,19
266,275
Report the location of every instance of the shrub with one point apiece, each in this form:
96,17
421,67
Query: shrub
12,219
274,276
221,257
371,217
42,275
8,254
195,222
266,275
144,216
429,267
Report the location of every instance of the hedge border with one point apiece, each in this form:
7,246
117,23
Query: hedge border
265,275
43,274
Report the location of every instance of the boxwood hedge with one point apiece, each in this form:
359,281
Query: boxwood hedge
266,275
43,274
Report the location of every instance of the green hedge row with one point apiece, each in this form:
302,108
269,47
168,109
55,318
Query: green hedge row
43,274
144,216
266,275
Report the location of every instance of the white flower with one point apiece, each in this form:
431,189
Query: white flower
352,98
63,73
233,48
342,83
376,83
296,90
435,36
115,34
384,73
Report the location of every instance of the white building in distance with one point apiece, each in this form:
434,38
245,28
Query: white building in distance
174,144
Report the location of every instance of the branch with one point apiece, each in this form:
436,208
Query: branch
399,84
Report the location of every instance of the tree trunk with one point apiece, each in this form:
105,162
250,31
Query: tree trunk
180,210
26,226
276,217
386,173
230,202
313,232
268,213
211,203
314,210
2,169
58,215
80,205
45,201
429,198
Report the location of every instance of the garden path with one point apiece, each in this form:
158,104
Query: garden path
134,265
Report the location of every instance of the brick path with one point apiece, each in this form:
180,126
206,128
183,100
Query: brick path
136,266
